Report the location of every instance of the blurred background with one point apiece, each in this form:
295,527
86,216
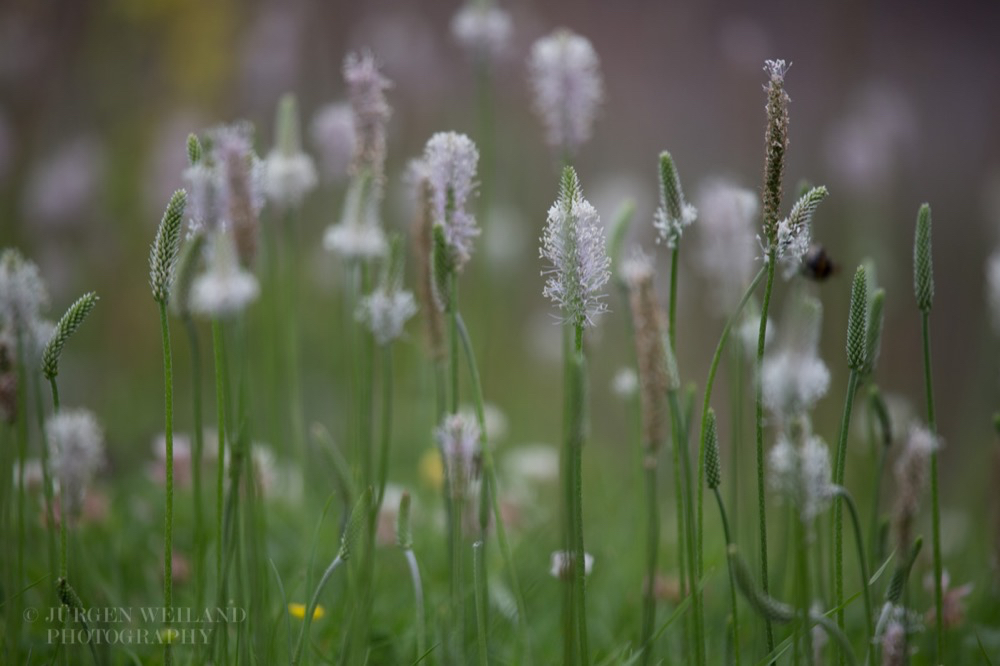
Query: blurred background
893,104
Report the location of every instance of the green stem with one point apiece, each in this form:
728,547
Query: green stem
935,503
287,268
197,460
453,322
307,620
218,347
418,594
736,377
706,402
168,381
852,509
802,566
576,436
383,463
838,479
652,549
489,474
874,528
759,433
679,434
672,312
732,575
46,473
479,576
457,591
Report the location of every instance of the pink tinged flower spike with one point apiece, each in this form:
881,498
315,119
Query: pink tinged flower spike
459,437
288,172
77,445
333,135
573,244
566,82
450,160
366,92
226,288
482,29
240,182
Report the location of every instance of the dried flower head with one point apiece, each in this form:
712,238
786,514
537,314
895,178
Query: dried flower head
674,214
333,134
225,288
911,479
775,146
77,445
240,196
366,88
561,566
482,29
450,159
573,244
727,251
288,173
648,325
566,82
22,292
458,436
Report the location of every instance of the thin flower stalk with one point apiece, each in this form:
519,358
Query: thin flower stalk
923,282
162,264
857,331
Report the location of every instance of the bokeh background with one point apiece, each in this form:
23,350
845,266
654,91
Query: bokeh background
893,104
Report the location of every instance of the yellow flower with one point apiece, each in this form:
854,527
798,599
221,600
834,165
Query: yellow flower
431,469
167,635
298,611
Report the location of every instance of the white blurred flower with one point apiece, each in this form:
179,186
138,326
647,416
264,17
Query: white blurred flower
562,564
496,420
625,383
458,437
225,288
451,161
802,473
333,134
482,29
385,313
22,292
727,252
579,266
566,81
77,450
794,377
532,462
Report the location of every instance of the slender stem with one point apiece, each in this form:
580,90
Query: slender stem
852,509
679,434
479,576
418,594
652,548
759,432
197,458
935,503
453,321
313,603
874,527
489,474
801,547
834,632
732,579
46,473
672,311
168,381
838,479
287,269
576,435
706,402
457,592
218,347
383,463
